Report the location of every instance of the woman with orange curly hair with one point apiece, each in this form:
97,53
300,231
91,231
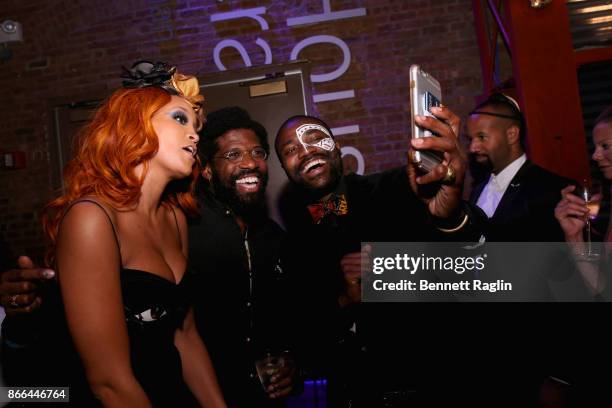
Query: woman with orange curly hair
119,246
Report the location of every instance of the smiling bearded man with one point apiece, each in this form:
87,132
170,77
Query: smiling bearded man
241,300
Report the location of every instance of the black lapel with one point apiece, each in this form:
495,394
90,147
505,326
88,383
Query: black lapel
478,190
508,203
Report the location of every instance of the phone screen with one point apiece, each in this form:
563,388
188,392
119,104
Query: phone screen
429,100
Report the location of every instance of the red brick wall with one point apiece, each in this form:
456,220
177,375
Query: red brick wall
73,50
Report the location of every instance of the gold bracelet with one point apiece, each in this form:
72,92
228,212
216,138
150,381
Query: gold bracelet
457,228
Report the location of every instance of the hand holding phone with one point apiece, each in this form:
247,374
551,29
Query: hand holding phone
440,163
425,92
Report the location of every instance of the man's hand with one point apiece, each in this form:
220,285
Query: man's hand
572,213
446,202
281,384
19,287
352,264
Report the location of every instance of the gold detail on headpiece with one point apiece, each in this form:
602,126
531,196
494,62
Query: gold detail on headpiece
189,87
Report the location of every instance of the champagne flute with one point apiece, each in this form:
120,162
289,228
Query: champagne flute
587,192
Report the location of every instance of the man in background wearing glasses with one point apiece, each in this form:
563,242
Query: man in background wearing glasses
235,250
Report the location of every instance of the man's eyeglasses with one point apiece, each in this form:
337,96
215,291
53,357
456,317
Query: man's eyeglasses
236,156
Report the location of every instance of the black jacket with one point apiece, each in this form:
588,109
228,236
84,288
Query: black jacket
526,212
397,345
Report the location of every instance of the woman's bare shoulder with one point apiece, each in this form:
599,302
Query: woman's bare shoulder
89,215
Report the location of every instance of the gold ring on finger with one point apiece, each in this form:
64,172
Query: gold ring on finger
449,177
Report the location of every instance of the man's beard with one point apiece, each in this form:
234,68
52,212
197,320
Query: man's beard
243,205
486,164
480,171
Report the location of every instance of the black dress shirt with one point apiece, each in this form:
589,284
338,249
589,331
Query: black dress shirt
240,297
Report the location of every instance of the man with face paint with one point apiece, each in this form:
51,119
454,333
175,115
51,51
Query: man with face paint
519,196
368,352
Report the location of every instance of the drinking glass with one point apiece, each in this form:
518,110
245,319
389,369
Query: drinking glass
591,195
270,364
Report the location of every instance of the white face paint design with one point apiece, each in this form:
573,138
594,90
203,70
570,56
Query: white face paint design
314,139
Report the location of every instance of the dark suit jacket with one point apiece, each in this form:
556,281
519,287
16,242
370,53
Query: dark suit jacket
526,212
398,345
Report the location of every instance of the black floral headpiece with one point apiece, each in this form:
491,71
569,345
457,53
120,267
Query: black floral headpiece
144,74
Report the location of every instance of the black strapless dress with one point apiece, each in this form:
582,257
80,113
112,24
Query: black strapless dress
154,308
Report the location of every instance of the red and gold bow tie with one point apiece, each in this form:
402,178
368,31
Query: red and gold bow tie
336,204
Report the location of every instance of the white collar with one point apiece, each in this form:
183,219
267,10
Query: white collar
503,179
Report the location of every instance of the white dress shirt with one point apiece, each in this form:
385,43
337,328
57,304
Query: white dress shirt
497,185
